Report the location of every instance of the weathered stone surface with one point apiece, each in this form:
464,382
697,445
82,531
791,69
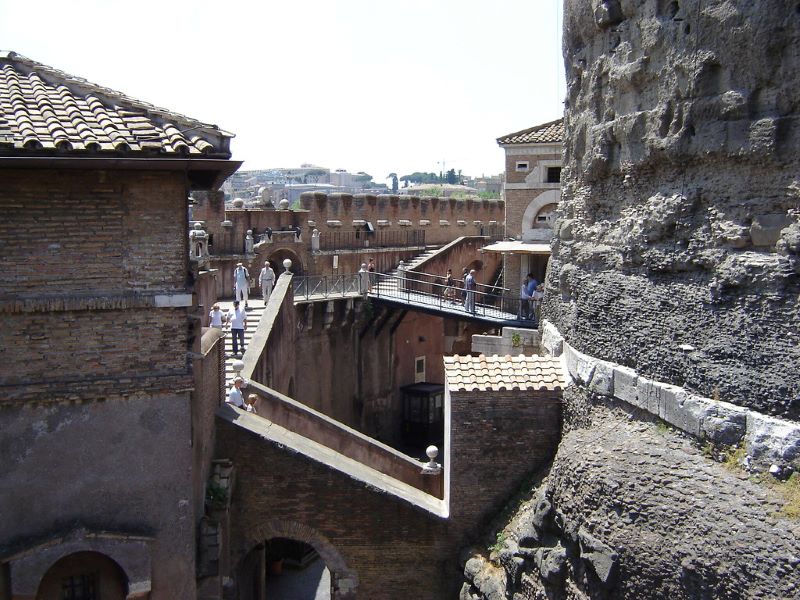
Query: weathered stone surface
552,340
602,558
678,221
772,441
552,563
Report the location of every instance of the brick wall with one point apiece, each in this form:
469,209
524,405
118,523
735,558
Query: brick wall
73,231
497,439
392,549
396,550
96,418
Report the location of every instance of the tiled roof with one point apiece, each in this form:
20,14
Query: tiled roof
501,373
44,111
547,133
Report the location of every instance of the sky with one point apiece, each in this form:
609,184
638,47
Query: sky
364,85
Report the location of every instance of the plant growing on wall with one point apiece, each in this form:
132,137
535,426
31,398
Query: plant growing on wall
516,340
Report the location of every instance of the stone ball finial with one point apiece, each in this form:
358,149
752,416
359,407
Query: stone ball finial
432,452
431,467
238,203
287,264
198,225
237,366
283,204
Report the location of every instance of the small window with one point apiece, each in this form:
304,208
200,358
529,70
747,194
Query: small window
553,174
79,587
419,369
522,165
542,218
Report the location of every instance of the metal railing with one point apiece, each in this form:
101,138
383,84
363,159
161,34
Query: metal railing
414,287
327,286
422,289
353,240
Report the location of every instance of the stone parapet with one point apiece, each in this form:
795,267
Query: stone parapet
768,440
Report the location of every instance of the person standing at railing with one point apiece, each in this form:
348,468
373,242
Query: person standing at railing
371,271
266,279
536,300
401,276
530,288
363,279
469,292
450,286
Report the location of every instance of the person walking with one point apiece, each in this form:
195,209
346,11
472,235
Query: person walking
266,279
238,325
216,317
241,283
363,279
235,393
469,292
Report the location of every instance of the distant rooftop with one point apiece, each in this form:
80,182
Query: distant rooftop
546,133
502,373
46,112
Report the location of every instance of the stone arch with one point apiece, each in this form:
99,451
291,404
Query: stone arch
535,205
83,571
131,553
276,258
344,580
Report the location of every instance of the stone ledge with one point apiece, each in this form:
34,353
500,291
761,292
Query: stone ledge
767,440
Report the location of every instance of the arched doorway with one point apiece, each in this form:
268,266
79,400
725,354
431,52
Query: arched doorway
84,576
277,257
293,560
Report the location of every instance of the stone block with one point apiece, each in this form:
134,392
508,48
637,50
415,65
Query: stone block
552,563
601,558
552,340
766,229
770,440
602,381
723,423
580,366
626,385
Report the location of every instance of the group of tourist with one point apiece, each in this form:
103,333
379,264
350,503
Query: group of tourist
468,291
241,282
531,293
236,398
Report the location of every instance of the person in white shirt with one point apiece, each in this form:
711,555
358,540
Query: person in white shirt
266,280
216,317
241,283
238,324
235,394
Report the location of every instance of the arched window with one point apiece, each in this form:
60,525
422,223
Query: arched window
84,576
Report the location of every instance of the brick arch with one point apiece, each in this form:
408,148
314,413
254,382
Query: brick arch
344,581
276,257
537,204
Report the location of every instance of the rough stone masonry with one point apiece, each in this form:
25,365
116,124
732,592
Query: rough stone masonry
676,254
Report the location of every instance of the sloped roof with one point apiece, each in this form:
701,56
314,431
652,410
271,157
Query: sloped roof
46,112
546,133
501,373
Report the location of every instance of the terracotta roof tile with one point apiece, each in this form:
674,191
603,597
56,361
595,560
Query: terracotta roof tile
496,373
44,111
547,133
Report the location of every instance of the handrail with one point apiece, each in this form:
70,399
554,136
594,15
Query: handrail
314,425
478,303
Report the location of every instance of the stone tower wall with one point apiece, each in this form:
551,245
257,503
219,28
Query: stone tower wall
676,250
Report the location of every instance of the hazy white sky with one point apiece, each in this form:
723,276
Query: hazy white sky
362,85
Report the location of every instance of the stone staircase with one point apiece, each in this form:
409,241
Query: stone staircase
390,283
255,308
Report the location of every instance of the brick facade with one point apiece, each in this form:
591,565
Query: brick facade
97,409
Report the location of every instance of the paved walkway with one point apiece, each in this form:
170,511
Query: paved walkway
311,583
